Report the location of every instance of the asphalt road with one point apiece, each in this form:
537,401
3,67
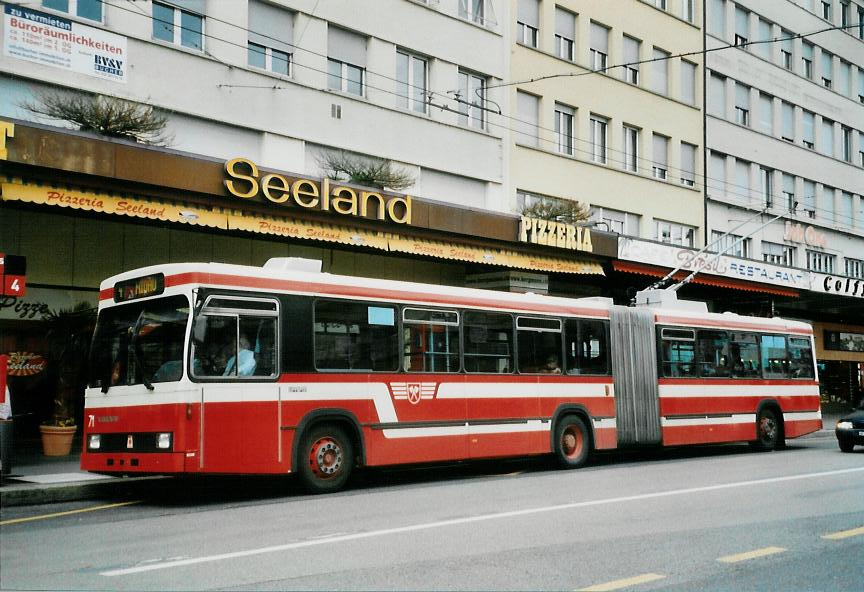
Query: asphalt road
715,518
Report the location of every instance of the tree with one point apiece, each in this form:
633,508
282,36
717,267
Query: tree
558,210
108,116
68,333
369,172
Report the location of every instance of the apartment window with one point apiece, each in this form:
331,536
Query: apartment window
529,200
807,60
528,108
846,209
631,149
660,83
827,147
763,37
766,183
565,34
787,48
88,9
733,245
631,59
766,113
717,175
809,198
688,10
789,191
661,4
861,22
717,95
179,26
854,268
742,26
411,74
788,118
717,17
861,148
268,27
599,46
688,164
826,10
598,138
676,234
617,221
661,156
346,61
845,13
827,69
528,22
472,88
778,254
846,143
826,202
861,83
807,134
473,10
742,180
564,117
742,104
688,82
821,262
845,85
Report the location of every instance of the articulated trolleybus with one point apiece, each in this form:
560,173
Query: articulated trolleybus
213,368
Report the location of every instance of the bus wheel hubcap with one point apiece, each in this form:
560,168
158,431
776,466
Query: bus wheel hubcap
572,442
325,458
769,428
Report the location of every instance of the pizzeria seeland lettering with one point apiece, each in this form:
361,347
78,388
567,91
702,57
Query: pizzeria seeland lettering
245,181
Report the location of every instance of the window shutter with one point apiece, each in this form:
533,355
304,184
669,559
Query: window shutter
271,26
346,46
528,12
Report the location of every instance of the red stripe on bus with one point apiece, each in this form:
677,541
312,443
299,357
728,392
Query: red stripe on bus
743,404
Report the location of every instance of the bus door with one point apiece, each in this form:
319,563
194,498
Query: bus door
234,357
634,370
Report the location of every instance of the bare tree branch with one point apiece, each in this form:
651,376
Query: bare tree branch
559,210
365,171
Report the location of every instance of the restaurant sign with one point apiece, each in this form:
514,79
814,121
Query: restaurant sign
555,234
246,181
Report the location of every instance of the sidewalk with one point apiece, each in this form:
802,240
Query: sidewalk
39,479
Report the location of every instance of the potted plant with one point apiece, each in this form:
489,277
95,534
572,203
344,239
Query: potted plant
68,333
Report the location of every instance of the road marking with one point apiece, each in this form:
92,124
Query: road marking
461,521
751,554
58,514
844,534
625,583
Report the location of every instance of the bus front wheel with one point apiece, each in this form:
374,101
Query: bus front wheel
572,442
326,459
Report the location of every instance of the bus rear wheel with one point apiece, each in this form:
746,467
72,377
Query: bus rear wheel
326,459
572,442
769,431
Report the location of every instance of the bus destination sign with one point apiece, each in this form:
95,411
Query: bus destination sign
149,285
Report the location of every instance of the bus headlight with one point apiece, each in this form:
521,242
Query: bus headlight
94,442
844,425
163,440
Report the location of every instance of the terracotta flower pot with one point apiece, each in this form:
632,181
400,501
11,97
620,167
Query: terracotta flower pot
57,440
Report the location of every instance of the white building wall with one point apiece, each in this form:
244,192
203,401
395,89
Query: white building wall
728,206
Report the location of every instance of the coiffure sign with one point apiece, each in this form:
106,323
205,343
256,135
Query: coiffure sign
842,286
246,181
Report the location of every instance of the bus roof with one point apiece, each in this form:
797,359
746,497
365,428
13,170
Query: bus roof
269,279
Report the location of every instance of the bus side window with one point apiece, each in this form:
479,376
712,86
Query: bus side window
678,352
355,336
713,353
800,358
744,355
539,345
488,342
587,347
775,360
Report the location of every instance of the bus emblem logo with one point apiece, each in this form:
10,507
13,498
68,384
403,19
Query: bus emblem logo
414,392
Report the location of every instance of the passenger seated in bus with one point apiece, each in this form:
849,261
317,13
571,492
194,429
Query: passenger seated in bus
246,365
551,366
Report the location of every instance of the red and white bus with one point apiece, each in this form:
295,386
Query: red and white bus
215,368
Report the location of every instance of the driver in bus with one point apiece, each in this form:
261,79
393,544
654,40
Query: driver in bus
246,365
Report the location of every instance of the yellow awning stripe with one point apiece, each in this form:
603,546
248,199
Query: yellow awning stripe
218,217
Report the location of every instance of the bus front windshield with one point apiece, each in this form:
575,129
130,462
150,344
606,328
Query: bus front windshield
139,343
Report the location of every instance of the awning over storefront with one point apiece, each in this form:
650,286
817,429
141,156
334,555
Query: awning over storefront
707,280
176,211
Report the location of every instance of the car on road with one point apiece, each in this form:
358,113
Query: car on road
850,429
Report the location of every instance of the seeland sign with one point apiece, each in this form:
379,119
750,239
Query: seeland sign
246,181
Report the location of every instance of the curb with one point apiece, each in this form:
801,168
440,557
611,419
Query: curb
29,494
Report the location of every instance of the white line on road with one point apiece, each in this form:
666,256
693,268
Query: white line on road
466,520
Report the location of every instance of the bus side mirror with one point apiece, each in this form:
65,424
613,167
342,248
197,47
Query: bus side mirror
199,331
